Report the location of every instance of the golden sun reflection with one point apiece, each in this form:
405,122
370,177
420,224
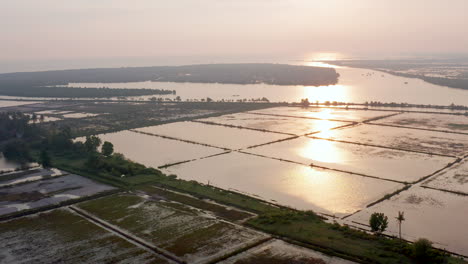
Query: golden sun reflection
322,151
330,93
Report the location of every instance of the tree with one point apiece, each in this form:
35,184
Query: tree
400,218
378,222
305,102
92,143
18,151
107,149
422,249
34,117
44,159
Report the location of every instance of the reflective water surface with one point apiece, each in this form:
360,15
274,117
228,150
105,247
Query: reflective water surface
286,183
355,85
383,163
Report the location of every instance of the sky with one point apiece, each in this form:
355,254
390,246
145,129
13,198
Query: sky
139,31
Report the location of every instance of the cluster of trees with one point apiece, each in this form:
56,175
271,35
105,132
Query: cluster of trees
32,90
107,161
421,250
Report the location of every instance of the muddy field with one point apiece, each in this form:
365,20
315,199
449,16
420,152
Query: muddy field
280,252
219,136
402,138
278,124
61,236
450,123
183,231
325,113
378,162
48,191
436,215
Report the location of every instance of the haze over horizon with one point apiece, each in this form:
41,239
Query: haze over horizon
53,34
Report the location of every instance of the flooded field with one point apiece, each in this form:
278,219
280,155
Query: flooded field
219,136
14,103
13,178
6,165
280,252
47,192
435,215
185,232
325,113
289,184
61,236
373,161
454,179
451,123
402,138
79,115
279,124
155,151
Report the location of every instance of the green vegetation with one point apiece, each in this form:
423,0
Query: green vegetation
378,223
32,90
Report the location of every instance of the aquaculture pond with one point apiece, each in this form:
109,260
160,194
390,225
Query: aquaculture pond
155,151
213,135
442,122
286,183
337,113
373,161
288,125
436,215
402,138
454,179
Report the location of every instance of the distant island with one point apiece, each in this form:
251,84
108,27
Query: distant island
44,83
450,73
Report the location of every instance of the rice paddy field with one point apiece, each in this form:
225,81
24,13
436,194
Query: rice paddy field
278,124
286,183
373,161
61,236
325,113
280,252
219,136
439,143
154,151
454,179
436,215
450,123
184,232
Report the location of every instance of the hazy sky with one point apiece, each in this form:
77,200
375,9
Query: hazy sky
90,29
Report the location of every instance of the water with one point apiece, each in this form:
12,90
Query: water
355,85
402,138
435,215
379,162
214,135
155,151
279,124
286,183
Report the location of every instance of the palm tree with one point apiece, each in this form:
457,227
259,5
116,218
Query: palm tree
400,218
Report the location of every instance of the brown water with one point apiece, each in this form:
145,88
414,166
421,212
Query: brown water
383,163
285,183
